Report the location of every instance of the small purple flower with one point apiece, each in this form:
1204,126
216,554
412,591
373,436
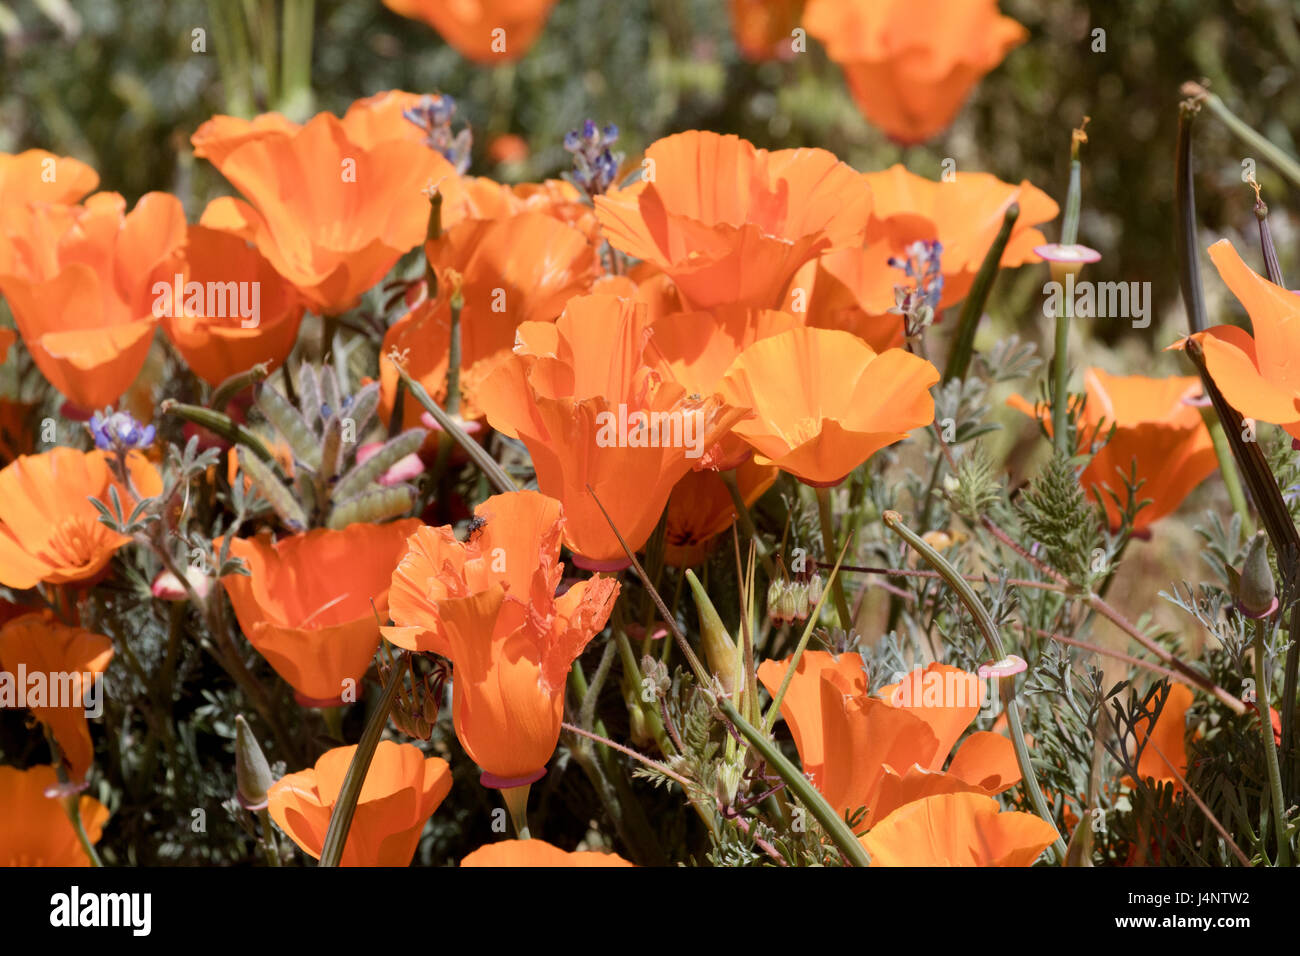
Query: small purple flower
434,115
119,431
595,166
917,301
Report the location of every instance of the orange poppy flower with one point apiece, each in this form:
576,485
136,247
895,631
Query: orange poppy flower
489,605
34,829
306,603
1256,374
79,283
911,64
700,508
40,644
1156,429
330,214
538,853
1164,756
49,530
764,29
37,176
964,215
883,752
824,402
401,791
238,311
580,394
851,290
485,31
957,829
519,269
730,223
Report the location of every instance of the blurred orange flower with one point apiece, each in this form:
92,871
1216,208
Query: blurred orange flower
522,268
68,657
1257,375
730,223
330,213
581,394
79,281
764,29
401,791
306,602
49,530
910,64
957,829
489,605
964,215
536,852
485,31
1156,429
238,313
1164,747
37,176
34,829
824,402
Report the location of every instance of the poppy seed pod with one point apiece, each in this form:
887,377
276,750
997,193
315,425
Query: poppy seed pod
1256,593
252,773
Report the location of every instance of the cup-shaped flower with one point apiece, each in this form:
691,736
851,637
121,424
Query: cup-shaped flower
306,602
67,660
489,604
730,223
764,29
513,853
35,175
35,829
485,31
824,402
911,64
49,530
78,280
958,829
401,791
1157,432
225,308
582,394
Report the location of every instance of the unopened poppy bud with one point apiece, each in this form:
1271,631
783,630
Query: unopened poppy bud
252,773
1256,593
719,648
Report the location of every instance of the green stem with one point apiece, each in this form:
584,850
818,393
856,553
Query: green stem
894,521
270,846
1278,157
346,805
828,546
1270,746
747,520
1228,469
963,346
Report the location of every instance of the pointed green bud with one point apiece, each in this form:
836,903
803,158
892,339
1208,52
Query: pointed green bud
1256,593
252,772
719,647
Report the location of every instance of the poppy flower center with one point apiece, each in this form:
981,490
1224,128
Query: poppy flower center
76,542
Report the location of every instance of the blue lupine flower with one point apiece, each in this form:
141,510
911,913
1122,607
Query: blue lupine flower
119,431
595,166
434,114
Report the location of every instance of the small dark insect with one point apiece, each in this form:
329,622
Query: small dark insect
475,526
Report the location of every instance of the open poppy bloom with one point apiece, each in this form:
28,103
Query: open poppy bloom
700,508
582,394
401,791
824,402
1156,429
330,214
225,308
958,829
1257,375
485,31
40,644
911,64
852,290
764,29
881,753
306,603
49,530
79,281
489,605
963,215
538,853
35,175
730,223
34,829
519,269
